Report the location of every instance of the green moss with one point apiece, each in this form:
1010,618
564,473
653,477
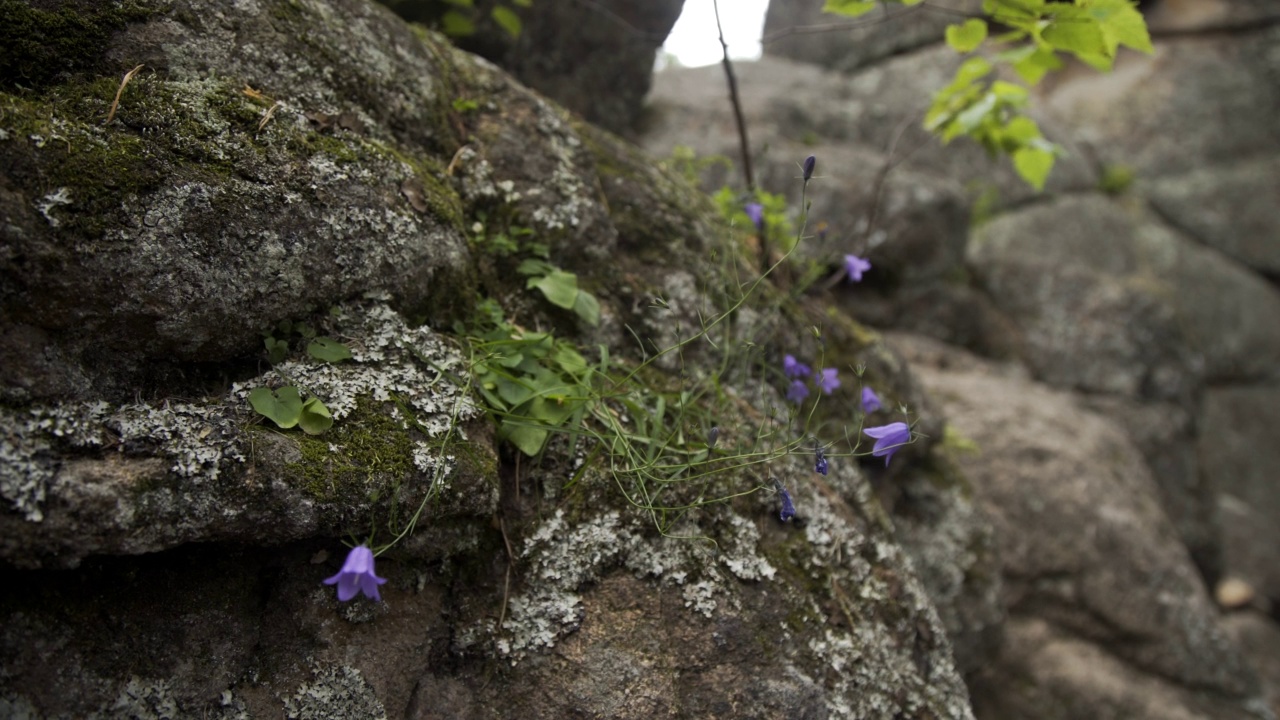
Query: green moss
374,454
41,46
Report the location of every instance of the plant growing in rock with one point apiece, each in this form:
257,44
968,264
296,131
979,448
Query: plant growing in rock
979,105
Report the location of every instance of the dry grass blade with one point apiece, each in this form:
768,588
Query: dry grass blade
271,111
120,91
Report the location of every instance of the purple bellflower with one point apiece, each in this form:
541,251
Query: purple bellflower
793,368
357,575
889,439
755,211
788,509
713,436
798,391
828,381
854,266
819,459
809,164
870,401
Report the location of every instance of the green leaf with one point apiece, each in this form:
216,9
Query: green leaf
849,8
328,350
533,266
1034,65
507,18
1076,33
559,287
513,392
522,3
1033,164
968,36
282,407
1125,26
455,24
315,417
276,350
569,360
587,307
304,330
527,437
1022,130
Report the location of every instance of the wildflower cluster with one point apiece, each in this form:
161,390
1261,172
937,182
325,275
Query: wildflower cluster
825,380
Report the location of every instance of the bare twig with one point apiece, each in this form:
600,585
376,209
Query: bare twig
744,145
120,91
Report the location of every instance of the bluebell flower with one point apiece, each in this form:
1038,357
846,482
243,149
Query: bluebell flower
357,575
755,211
798,391
828,382
793,368
712,437
854,266
819,459
809,164
870,401
788,509
889,439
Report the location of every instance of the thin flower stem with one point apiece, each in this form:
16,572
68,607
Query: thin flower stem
737,107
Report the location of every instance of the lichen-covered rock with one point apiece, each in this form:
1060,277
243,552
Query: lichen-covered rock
305,161
82,479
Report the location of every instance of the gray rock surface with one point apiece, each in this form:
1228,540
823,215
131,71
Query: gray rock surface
594,58
1092,567
799,30
1237,448
169,545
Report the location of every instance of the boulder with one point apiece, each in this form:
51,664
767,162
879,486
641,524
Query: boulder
1110,300
1107,615
301,170
1237,452
594,58
799,30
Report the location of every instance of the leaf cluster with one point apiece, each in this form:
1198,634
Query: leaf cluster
990,111
460,20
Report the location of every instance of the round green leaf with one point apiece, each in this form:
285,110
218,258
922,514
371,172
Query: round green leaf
315,417
282,407
968,36
559,287
328,350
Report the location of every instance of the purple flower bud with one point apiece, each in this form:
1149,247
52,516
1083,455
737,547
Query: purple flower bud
854,266
755,211
798,391
792,368
788,509
889,439
712,437
809,163
870,401
828,381
819,458
357,575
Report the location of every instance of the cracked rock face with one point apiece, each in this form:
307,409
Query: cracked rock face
305,160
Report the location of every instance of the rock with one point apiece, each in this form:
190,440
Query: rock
1172,16
1236,450
1109,300
799,30
595,59
1165,433
1227,208
1259,640
1201,100
168,541
955,554
1092,567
